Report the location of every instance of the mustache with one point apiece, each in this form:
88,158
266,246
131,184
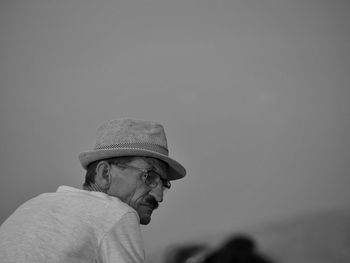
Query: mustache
151,201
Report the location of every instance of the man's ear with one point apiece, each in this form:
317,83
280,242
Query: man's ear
103,177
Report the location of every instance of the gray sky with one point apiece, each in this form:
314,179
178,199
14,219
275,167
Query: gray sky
254,97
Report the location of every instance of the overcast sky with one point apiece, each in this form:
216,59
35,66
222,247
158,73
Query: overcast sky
254,97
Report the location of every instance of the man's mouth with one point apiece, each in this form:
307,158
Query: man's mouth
148,207
151,206
151,202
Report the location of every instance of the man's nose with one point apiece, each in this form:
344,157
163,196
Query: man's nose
157,193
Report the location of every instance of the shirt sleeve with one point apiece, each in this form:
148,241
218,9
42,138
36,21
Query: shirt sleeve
123,243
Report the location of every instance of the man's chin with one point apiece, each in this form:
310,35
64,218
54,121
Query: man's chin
145,221
145,215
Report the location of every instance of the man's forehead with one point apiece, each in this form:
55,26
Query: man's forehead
152,161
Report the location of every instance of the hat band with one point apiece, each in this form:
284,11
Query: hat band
136,145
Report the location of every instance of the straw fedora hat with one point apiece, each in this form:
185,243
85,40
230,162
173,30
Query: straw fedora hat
130,137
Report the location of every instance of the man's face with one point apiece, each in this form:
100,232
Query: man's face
128,184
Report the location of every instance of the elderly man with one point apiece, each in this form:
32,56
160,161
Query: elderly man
127,174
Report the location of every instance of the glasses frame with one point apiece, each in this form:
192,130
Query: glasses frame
146,175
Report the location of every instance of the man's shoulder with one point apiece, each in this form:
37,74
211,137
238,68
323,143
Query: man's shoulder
94,200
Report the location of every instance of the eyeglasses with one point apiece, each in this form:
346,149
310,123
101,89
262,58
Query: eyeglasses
151,177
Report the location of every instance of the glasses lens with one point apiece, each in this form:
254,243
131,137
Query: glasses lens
153,179
166,184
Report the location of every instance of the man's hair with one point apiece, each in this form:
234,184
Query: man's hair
91,169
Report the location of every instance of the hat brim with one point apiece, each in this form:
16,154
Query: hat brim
176,170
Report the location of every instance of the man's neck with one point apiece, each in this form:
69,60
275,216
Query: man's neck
94,187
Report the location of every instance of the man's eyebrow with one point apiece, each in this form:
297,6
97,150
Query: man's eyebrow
153,166
158,171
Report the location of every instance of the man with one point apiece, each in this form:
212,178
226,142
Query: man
127,173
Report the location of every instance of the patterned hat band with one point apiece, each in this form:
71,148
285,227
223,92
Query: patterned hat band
136,145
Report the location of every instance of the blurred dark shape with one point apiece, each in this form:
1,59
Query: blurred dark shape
238,249
185,253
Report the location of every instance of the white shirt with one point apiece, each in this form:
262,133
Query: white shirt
72,225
